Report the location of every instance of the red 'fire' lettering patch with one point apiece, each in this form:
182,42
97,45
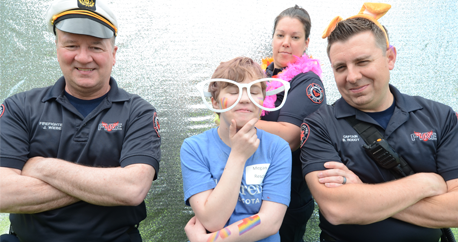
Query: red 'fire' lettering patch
109,127
424,136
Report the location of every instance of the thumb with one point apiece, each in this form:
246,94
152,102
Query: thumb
192,221
232,128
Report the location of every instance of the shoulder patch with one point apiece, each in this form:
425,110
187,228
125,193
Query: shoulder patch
305,131
156,125
2,110
315,92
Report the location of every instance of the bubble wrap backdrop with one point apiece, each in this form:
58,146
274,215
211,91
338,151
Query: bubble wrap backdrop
166,47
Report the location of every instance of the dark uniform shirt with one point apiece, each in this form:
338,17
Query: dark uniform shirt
120,131
423,132
301,101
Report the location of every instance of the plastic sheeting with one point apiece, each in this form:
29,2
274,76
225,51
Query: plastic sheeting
166,47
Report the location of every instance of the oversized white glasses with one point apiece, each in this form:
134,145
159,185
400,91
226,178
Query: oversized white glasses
273,86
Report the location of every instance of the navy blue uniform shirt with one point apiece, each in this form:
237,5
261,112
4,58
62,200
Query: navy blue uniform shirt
305,96
120,131
423,132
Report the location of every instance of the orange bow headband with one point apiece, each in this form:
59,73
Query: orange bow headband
370,11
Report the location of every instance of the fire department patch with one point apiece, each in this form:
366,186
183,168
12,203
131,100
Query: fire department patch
156,125
305,131
315,92
2,110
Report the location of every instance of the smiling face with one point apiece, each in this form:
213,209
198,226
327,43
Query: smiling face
288,41
86,63
362,72
245,110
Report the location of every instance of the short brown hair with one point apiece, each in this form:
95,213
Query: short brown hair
350,27
237,69
298,13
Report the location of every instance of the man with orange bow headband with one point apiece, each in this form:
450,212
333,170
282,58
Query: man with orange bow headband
359,199
78,158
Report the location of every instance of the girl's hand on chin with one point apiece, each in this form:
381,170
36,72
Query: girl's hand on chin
244,142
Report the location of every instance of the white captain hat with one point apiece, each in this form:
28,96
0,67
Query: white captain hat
86,17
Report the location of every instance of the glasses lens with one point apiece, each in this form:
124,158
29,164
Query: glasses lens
226,92
275,91
268,93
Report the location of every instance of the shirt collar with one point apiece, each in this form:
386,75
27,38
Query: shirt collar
272,71
114,95
404,102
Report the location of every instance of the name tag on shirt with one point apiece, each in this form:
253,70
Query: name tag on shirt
255,173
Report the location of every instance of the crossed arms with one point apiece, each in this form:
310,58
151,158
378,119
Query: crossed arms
47,183
423,199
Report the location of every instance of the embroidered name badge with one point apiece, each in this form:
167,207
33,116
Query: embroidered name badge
315,92
50,125
350,138
305,131
255,173
2,110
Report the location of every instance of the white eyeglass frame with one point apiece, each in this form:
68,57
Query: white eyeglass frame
204,94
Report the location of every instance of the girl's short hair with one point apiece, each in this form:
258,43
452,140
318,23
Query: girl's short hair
238,70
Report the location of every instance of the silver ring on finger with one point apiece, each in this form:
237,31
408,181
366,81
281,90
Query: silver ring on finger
344,180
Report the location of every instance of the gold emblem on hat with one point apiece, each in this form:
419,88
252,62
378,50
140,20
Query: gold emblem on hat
87,3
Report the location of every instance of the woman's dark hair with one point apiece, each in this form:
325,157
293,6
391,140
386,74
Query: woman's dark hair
299,14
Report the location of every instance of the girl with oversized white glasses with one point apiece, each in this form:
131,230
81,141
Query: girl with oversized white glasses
257,93
237,178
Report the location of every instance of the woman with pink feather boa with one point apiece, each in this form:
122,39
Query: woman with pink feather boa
291,63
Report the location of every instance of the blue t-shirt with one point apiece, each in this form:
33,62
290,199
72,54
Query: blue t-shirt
267,174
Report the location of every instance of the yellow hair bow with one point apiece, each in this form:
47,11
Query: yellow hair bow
370,11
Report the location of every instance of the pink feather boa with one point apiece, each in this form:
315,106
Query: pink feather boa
302,64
